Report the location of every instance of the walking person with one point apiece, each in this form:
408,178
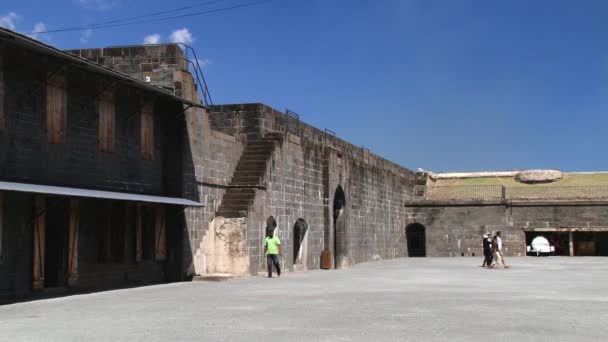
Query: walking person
272,250
499,245
487,250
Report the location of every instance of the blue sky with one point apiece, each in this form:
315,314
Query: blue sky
453,85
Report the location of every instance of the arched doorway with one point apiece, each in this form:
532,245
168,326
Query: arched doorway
339,225
299,236
416,240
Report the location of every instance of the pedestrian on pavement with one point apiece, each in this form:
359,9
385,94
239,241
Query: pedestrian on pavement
500,252
272,250
487,250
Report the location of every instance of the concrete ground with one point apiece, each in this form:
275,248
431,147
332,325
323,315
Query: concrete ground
427,299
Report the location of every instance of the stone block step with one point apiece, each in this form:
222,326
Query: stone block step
261,169
240,191
237,201
238,195
232,214
257,173
260,144
250,162
231,207
250,153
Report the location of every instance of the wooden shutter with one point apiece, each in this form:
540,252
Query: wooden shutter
138,223
107,119
147,131
2,113
160,251
39,239
56,109
73,243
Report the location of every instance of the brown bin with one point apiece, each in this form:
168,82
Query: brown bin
326,260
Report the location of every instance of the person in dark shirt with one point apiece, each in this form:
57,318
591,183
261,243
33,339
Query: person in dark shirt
487,250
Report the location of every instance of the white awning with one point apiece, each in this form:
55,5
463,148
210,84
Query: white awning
110,195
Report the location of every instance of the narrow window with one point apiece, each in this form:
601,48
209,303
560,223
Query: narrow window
160,251
56,109
147,131
2,116
107,121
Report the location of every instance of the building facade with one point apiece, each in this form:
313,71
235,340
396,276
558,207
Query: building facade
90,174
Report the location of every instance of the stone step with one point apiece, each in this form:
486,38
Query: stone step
248,168
257,173
238,195
245,180
250,162
249,153
237,202
263,145
240,191
233,207
231,214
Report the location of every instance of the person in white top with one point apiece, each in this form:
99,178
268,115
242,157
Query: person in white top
500,255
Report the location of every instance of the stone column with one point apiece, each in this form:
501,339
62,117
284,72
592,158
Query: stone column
571,243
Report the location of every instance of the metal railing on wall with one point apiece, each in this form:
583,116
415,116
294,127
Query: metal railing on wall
455,192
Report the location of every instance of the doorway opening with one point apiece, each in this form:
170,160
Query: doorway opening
299,233
57,222
339,225
416,240
559,240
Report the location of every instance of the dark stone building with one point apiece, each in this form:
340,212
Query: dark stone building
91,168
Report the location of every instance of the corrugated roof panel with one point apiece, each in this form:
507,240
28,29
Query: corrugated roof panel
76,192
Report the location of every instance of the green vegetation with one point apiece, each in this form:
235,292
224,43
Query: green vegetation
568,180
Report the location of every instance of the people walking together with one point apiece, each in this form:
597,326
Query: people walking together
272,251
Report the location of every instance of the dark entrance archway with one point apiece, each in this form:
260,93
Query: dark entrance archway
416,240
299,233
339,225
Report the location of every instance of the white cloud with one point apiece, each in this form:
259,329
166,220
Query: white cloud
85,36
152,39
181,36
8,20
203,62
100,5
38,31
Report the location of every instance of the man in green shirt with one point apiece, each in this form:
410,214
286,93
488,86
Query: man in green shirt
272,250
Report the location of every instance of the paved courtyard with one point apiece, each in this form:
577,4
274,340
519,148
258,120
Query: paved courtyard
430,299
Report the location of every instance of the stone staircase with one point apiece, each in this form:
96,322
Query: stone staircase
248,176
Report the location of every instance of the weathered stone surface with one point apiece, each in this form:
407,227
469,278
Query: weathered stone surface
538,176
